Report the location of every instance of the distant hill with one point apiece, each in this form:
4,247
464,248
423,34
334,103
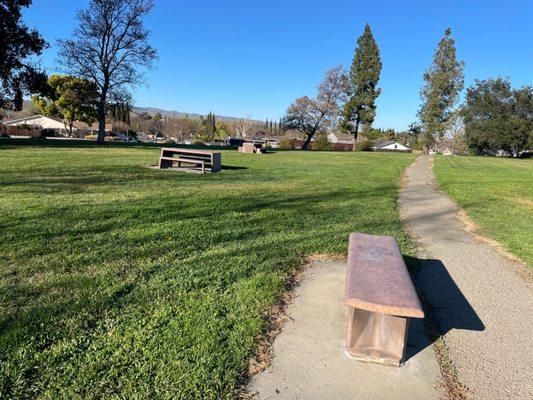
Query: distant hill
178,114
29,109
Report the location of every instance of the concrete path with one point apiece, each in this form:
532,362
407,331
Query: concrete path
310,362
483,304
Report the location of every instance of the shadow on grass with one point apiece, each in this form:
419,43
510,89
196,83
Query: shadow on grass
73,143
445,306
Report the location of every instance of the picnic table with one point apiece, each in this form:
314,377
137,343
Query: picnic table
201,161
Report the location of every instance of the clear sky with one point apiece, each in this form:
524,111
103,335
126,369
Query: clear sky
248,57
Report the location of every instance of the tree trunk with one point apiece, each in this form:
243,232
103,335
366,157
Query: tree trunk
101,123
71,123
101,113
307,141
355,134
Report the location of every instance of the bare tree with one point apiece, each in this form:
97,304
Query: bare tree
244,126
110,45
318,114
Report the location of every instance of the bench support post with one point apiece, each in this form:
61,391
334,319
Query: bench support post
216,162
165,163
375,337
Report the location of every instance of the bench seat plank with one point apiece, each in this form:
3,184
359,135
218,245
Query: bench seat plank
377,279
178,150
185,160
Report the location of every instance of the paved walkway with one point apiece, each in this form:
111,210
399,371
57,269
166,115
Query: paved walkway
483,304
309,359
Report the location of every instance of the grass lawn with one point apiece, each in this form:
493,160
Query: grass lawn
118,281
497,193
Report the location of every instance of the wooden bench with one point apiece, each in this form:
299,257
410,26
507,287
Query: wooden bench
196,160
381,299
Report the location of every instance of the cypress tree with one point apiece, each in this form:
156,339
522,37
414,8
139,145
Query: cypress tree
443,82
361,88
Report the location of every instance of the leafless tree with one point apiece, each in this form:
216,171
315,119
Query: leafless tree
311,115
110,47
243,126
455,125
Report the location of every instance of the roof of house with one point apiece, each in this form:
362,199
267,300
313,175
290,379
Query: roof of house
30,118
383,142
342,136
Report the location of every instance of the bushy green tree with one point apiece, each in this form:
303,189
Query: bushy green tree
443,82
361,89
70,98
222,130
18,75
496,117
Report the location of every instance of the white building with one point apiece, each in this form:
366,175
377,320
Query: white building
389,145
40,121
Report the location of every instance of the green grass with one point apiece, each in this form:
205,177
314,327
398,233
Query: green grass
118,281
497,194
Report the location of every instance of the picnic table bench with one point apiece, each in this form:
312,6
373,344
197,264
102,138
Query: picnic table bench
195,160
381,299
252,148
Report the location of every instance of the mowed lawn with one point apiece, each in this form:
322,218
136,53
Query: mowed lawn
497,193
118,281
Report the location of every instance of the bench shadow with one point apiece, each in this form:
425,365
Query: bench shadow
232,167
445,306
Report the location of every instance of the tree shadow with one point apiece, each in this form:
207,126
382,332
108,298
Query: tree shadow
81,143
445,306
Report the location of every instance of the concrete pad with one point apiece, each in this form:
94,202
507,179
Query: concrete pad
309,355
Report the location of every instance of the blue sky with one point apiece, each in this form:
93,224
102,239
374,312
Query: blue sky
247,57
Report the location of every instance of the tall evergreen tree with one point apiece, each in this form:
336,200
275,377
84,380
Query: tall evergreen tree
361,89
443,82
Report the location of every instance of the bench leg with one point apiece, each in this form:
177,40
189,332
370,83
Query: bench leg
165,164
374,337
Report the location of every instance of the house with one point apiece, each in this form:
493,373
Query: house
39,121
389,145
45,122
447,152
343,141
338,137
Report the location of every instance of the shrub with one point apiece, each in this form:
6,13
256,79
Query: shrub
321,143
365,145
285,144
